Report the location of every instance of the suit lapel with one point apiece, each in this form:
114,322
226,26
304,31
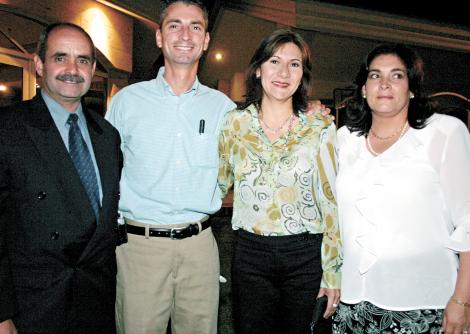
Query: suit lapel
106,165
55,156
47,139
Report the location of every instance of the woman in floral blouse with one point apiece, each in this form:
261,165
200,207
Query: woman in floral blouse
282,164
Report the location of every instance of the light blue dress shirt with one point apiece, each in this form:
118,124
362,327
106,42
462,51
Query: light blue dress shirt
170,168
60,115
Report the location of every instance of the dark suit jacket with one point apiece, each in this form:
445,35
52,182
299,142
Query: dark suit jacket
57,266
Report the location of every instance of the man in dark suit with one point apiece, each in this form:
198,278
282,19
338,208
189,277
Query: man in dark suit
58,226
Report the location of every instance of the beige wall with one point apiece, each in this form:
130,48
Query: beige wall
110,30
235,37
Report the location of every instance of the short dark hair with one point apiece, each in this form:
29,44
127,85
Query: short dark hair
42,44
265,50
198,3
358,113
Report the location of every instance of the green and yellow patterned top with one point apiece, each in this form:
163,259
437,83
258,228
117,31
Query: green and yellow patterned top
283,187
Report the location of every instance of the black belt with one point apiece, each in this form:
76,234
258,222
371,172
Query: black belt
173,233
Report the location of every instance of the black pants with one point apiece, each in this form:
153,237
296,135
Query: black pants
275,282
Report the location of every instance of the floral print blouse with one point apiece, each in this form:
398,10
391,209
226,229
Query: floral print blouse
283,187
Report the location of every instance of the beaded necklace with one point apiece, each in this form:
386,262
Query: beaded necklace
289,128
276,130
369,145
391,136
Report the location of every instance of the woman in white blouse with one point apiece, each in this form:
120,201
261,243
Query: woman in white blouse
404,203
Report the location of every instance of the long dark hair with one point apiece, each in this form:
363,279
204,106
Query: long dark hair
358,113
265,50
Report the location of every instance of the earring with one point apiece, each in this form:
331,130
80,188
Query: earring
412,96
364,96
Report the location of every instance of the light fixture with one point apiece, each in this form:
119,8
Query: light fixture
3,88
219,56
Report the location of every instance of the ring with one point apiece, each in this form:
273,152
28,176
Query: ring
336,305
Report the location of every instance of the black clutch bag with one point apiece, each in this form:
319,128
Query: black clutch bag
317,315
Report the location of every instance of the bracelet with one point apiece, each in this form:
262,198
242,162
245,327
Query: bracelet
461,302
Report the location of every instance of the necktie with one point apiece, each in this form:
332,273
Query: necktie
81,158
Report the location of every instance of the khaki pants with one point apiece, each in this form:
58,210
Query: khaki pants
159,278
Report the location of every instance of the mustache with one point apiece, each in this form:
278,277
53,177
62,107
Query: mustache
70,78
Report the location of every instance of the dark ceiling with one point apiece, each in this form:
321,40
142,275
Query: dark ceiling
448,11
445,11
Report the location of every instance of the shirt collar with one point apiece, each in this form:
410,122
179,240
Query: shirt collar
59,113
166,88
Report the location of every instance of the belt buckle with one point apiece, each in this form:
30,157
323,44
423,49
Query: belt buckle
174,231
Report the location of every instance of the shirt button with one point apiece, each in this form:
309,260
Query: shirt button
41,195
55,235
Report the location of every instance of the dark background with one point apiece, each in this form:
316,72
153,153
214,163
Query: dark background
449,11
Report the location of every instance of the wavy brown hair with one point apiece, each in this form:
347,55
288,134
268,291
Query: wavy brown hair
265,50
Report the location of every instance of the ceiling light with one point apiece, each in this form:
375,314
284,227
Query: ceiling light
218,56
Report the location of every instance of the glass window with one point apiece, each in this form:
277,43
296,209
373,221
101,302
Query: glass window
11,84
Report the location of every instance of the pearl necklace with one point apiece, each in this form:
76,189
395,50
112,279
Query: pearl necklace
275,131
369,145
391,136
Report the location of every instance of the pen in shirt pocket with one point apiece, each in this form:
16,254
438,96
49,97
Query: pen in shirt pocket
202,124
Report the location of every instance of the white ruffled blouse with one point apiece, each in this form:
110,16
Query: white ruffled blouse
404,215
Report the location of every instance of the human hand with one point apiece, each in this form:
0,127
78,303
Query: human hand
8,327
333,300
467,320
456,319
315,107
